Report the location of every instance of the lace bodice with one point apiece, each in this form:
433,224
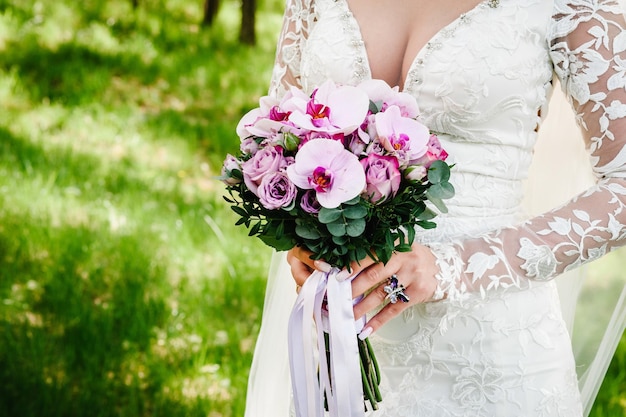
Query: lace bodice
482,83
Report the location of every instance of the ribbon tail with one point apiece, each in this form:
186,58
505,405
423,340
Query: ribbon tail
306,391
347,393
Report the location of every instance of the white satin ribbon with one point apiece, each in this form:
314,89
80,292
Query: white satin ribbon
306,358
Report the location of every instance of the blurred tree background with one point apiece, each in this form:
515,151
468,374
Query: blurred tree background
125,289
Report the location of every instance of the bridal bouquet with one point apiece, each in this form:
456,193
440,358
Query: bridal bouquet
344,172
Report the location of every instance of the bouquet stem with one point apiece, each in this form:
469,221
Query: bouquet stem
370,372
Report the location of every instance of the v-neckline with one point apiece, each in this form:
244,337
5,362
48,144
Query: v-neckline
419,55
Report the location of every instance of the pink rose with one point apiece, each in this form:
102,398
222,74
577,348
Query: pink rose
433,153
266,161
382,176
276,191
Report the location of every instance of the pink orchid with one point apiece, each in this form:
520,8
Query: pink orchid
333,172
245,127
403,137
332,109
269,118
380,91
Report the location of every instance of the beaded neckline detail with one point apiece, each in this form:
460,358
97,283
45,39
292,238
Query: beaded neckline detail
415,77
361,65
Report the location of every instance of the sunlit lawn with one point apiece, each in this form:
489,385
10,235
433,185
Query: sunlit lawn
125,289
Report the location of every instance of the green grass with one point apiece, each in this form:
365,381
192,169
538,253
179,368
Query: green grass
125,288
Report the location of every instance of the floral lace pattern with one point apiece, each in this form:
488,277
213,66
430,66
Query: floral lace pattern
498,344
587,46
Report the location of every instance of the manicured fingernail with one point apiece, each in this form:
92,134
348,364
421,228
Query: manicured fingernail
322,266
343,275
367,332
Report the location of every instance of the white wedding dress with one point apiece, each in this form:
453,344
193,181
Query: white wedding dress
498,345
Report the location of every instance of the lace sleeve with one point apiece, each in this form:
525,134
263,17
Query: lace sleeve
587,47
297,20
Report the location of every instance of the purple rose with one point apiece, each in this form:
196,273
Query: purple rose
276,191
266,161
382,176
230,163
309,202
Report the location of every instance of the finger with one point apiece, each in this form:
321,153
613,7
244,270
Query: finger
300,273
372,276
299,270
383,316
303,255
416,293
372,300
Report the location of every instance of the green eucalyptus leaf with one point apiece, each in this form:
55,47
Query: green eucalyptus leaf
448,189
375,106
437,202
355,212
440,191
356,227
307,232
355,200
327,215
427,214
340,240
438,172
337,229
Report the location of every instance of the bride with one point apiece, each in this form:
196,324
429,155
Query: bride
483,333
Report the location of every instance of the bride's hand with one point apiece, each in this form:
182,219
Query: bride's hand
414,270
302,265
